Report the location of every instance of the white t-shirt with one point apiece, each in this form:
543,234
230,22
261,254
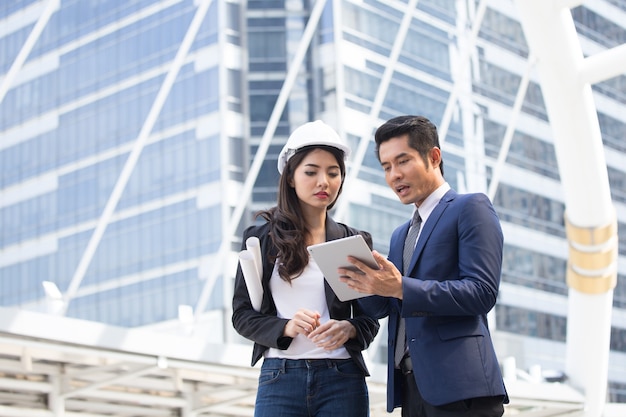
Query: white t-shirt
306,291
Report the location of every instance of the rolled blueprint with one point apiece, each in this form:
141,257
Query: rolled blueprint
252,268
254,245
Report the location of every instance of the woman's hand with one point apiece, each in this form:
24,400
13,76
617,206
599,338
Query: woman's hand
332,334
303,322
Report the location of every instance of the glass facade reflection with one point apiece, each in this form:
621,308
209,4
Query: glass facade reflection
69,123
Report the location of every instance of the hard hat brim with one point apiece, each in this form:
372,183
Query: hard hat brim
315,133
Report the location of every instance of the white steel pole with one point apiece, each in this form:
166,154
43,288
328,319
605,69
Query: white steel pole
590,215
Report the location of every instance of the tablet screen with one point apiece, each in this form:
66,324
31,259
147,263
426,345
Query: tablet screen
334,254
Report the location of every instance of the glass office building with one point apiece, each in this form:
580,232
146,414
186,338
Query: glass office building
70,120
137,139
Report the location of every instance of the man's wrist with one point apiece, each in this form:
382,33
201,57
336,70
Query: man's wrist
399,291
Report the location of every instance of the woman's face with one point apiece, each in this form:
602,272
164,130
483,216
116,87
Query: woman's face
317,180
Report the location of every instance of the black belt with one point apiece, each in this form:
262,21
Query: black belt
305,363
406,366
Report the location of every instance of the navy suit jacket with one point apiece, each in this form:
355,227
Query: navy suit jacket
450,286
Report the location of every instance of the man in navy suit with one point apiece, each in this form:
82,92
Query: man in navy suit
446,365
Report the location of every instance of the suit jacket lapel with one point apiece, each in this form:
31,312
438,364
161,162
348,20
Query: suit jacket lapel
333,230
397,245
428,227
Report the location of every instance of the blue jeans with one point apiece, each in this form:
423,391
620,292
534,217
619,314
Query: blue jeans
307,388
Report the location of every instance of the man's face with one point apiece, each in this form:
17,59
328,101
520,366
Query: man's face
405,171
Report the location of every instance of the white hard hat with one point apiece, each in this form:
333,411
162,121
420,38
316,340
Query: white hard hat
310,134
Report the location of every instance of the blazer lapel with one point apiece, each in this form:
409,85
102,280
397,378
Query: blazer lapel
397,246
333,231
428,227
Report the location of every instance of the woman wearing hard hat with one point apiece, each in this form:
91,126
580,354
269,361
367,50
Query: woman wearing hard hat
311,341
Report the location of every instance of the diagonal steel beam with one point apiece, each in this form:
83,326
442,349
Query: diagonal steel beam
386,80
131,162
51,7
381,93
444,125
253,173
107,382
510,130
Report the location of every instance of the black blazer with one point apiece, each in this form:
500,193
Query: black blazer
265,329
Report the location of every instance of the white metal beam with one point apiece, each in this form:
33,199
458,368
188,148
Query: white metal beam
292,73
107,382
465,55
51,7
552,38
604,65
510,130
131,162
569,4
381,93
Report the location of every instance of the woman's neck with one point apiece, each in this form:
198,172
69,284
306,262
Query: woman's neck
316,228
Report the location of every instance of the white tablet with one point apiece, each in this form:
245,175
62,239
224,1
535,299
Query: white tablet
334,254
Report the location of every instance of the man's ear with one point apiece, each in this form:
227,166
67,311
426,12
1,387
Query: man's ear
434,156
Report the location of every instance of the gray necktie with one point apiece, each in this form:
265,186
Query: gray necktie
407,254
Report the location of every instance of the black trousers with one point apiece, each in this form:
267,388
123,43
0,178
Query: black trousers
413,405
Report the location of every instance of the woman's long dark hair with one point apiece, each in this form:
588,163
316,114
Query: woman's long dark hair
287,227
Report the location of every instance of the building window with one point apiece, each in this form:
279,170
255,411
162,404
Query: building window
526,151
526,322
536,270
530,210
